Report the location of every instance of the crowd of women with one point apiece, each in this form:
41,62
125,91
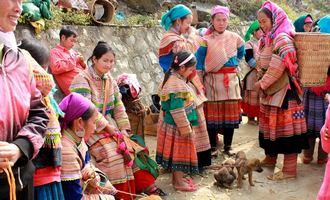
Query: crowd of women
81,147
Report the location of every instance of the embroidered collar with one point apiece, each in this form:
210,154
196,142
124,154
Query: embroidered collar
95,75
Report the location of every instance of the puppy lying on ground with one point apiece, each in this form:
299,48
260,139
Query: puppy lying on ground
246,166
225,175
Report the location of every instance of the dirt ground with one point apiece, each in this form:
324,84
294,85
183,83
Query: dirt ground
305,187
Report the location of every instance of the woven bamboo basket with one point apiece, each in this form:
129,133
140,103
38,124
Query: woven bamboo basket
313,53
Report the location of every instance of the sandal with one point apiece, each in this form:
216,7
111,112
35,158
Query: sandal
279,176
190,188
189,181
157,191
322,161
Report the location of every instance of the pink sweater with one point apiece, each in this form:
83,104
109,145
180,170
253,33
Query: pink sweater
324,193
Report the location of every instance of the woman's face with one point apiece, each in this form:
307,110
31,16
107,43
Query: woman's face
104,64
307,27
220,22
265,22
257,35
186,71
185,24
10,10
90,125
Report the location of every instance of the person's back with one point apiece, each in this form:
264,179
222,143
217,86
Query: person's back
65,63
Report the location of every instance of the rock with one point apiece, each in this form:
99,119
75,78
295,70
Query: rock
142,6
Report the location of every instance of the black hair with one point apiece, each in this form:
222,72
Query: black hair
38,51
177,59
203,24
101,49
268,13
86,115
68,33
328,73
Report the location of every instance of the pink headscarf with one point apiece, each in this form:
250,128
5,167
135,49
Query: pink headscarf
281,23
308,20
216,10
220,9
74,106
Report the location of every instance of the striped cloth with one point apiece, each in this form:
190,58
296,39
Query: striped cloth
250,104
282,131
91,86
223,114
315,108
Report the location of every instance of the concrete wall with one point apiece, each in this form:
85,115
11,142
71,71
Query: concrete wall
136,50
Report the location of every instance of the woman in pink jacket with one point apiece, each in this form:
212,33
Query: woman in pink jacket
23,117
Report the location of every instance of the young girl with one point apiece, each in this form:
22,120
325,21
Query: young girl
176,149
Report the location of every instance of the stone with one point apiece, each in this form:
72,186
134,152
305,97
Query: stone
145,77
142,6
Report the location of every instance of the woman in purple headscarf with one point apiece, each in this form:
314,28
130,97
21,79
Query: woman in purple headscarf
79,123
282,121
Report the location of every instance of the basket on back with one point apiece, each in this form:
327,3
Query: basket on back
313,53
102,11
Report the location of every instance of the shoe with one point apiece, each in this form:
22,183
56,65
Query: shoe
229,151
279,176
322,161
307,160
157,191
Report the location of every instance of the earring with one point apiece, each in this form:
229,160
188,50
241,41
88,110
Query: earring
80,133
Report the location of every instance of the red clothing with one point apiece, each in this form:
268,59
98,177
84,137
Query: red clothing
47,175
321,90
65,65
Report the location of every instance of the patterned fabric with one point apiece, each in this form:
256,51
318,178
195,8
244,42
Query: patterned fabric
202,141
282,131
176,148
290,164
223,114
51,191
281,24
90,85
175,152
218,52
315,108
250,104
111,162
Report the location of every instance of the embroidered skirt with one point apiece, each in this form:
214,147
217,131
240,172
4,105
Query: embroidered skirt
315,108
175,152
223,114
250,104
282,131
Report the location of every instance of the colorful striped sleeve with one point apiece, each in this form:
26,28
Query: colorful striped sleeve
80,85
200,56
241,52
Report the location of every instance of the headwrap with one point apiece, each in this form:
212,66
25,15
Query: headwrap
281,23
253,28
308,19
324,24
299,23
174,13
74,106
220,9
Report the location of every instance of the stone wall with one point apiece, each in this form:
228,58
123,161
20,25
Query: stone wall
136,50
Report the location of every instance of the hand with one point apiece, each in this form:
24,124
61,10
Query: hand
178,46
8,152
326,96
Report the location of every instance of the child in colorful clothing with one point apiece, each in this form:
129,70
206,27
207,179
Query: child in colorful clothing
176,149
47,179
250,104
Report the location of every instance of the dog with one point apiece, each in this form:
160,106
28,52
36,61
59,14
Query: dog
246,166
225,176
